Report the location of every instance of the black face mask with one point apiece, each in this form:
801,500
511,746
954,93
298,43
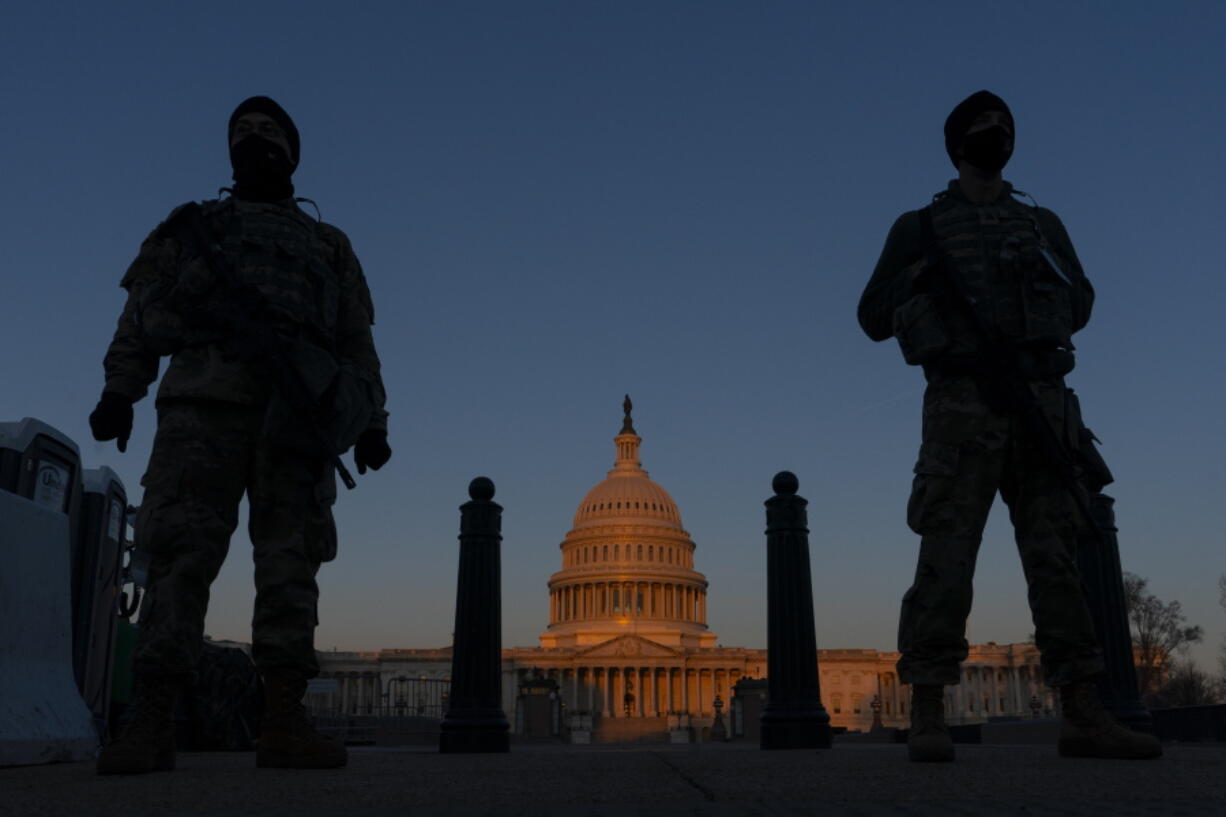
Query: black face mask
261,170
988,149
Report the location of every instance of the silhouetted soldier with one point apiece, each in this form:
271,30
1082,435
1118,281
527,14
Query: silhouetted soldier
212,283
985,293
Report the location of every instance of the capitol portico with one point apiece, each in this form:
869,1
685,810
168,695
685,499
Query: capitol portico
628,650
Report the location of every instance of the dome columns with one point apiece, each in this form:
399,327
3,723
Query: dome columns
617,599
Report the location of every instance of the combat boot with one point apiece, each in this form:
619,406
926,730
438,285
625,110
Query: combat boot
1088,730
287,738
147,742
929,740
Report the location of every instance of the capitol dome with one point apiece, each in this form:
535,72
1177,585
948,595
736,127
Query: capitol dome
627,563
627,494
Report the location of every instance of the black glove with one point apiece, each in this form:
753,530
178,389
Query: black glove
112,419
371,449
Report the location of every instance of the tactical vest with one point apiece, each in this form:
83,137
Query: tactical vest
276,249
1001,256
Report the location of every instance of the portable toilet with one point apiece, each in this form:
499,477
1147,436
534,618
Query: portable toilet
96,580
43,718
42,464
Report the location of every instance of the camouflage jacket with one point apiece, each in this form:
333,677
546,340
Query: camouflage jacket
306,271
979,250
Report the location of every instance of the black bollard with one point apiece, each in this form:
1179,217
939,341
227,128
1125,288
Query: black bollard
794,717
475,721
1098,561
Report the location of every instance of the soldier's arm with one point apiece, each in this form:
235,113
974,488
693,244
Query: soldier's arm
892,283
1083,292
355,345
131,361
129,364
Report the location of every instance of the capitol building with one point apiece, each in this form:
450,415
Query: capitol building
628,654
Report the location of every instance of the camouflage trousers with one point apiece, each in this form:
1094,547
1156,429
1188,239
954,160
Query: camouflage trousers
968,453
205,456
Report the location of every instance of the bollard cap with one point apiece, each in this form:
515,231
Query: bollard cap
785,482
481,489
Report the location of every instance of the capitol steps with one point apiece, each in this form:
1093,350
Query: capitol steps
630,730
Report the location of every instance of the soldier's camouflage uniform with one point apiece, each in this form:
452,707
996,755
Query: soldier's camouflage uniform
222,431
971,450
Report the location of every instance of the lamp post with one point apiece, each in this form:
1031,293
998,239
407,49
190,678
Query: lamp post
718,731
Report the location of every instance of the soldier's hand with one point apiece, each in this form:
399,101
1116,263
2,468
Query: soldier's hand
371,450
111,419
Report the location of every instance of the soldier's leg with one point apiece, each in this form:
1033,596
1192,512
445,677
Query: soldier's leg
955,483
189,510
1046,522
289,530
284,525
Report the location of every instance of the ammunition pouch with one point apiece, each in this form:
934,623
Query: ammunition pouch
1094,473
921,333
1047,304
345,396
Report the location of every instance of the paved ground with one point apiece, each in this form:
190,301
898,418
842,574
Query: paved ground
719,780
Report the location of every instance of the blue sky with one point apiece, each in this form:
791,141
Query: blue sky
559,202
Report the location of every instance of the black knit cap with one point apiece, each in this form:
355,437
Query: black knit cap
266,106
967,111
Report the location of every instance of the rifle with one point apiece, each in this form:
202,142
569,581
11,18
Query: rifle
245,316
1006,387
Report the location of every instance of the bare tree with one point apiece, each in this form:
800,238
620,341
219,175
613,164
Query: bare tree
1187,685
1221,656
1159,630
